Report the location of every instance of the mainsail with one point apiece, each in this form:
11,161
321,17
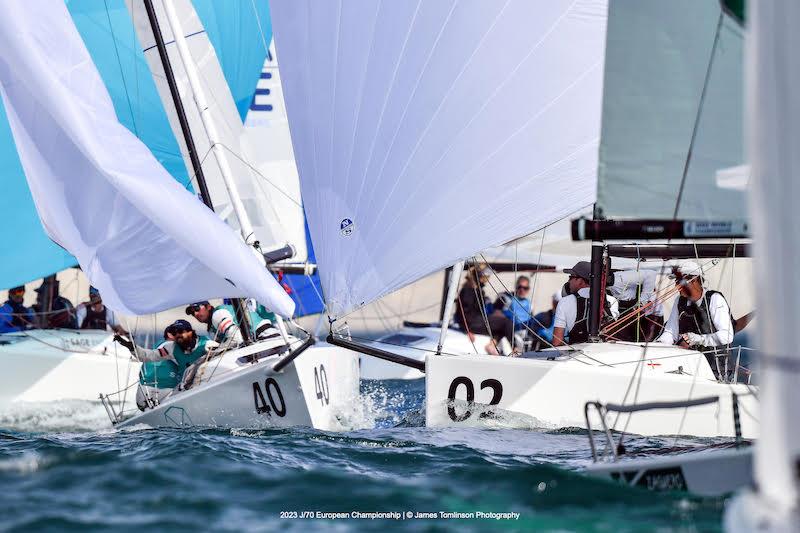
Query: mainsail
267,185
677,67
133,229
426,131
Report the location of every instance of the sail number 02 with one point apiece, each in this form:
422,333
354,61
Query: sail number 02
276,403
497,395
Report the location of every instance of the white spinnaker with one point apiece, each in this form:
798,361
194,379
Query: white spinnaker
773,122
139,236
657,57
272,200
426,131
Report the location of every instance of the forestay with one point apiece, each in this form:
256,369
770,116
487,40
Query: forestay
141,238
426,131
657,59
269,192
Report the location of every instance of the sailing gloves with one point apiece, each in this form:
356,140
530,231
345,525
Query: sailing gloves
125,342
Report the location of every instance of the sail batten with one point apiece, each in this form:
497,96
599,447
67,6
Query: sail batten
427,131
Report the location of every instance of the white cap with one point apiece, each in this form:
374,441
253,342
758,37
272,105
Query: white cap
689,268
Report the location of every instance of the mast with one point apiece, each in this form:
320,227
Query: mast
447,309
176,98
238,304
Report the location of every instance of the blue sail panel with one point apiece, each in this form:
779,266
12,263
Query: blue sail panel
306,291
107,31
240,32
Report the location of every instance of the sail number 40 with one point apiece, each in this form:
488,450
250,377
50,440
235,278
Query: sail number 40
274,396
497,395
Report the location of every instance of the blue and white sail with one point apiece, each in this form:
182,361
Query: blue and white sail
427,131
140,237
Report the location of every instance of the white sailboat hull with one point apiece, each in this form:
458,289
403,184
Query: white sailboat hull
317,389
536,392
56,365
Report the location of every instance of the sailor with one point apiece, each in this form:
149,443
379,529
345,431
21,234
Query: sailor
157,379
700,318
14,316
220,321
472,316
572,312
95,315
186,349
516,307
62,313
634,288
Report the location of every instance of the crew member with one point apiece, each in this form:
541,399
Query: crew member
186,349
220,321
95,315
157,379
572,312
700,318
14,316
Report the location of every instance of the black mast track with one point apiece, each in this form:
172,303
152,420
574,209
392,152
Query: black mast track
238,304
176,100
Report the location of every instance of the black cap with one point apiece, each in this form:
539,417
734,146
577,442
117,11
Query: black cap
181,325
191,308
582,269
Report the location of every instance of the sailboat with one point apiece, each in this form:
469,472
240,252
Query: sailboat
425,132
144,260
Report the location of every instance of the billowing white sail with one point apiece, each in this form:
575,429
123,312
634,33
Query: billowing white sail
270,194
426,131
141,238
657,58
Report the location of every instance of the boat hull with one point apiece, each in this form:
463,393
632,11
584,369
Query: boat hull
317,389
703,473
537,392
58,365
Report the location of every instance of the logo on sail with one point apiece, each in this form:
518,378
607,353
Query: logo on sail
347,227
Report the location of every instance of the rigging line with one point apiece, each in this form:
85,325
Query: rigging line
260,30
119,64
260,175
697,117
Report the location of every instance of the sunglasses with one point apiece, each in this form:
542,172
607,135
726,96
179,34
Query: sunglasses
18,291
523,288
192,309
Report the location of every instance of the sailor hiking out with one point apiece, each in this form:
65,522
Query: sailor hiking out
183,351
222,325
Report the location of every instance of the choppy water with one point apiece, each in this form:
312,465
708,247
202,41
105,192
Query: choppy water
63,469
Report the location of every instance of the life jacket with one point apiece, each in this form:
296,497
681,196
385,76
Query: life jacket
95,319
580,330
160,374
694,317
184,358
20,313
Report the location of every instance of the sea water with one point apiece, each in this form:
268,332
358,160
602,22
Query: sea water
63,468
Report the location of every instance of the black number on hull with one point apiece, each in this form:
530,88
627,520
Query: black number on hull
321,385
261,403
258,399
269,385
497,395
451,396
